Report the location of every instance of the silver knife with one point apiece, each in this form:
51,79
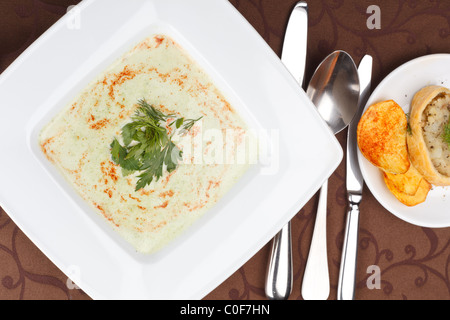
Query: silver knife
295,43
279,270
355,183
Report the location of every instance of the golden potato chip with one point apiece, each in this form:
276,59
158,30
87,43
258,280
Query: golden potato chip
408,182
382,137
410,200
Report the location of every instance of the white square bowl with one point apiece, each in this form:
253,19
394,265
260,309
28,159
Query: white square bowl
302,154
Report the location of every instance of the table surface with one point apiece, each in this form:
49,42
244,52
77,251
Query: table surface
414,261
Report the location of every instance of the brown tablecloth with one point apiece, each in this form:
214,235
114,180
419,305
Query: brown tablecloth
414,261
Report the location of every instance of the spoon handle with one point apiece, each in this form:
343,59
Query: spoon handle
316,281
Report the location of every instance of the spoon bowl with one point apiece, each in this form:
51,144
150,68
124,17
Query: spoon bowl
334,90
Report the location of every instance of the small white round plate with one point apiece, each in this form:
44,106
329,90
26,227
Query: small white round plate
401,86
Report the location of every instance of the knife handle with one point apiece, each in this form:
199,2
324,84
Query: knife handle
279,270
347,273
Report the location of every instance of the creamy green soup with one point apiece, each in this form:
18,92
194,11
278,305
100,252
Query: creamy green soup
78,141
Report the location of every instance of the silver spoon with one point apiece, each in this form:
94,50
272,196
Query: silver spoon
334,90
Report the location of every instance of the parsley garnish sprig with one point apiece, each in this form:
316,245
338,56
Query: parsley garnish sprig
446,135
148,148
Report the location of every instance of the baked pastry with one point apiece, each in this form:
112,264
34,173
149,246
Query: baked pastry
428,147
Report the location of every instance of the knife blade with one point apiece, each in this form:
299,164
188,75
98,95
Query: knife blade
354,177
279,271
295,43
355,184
